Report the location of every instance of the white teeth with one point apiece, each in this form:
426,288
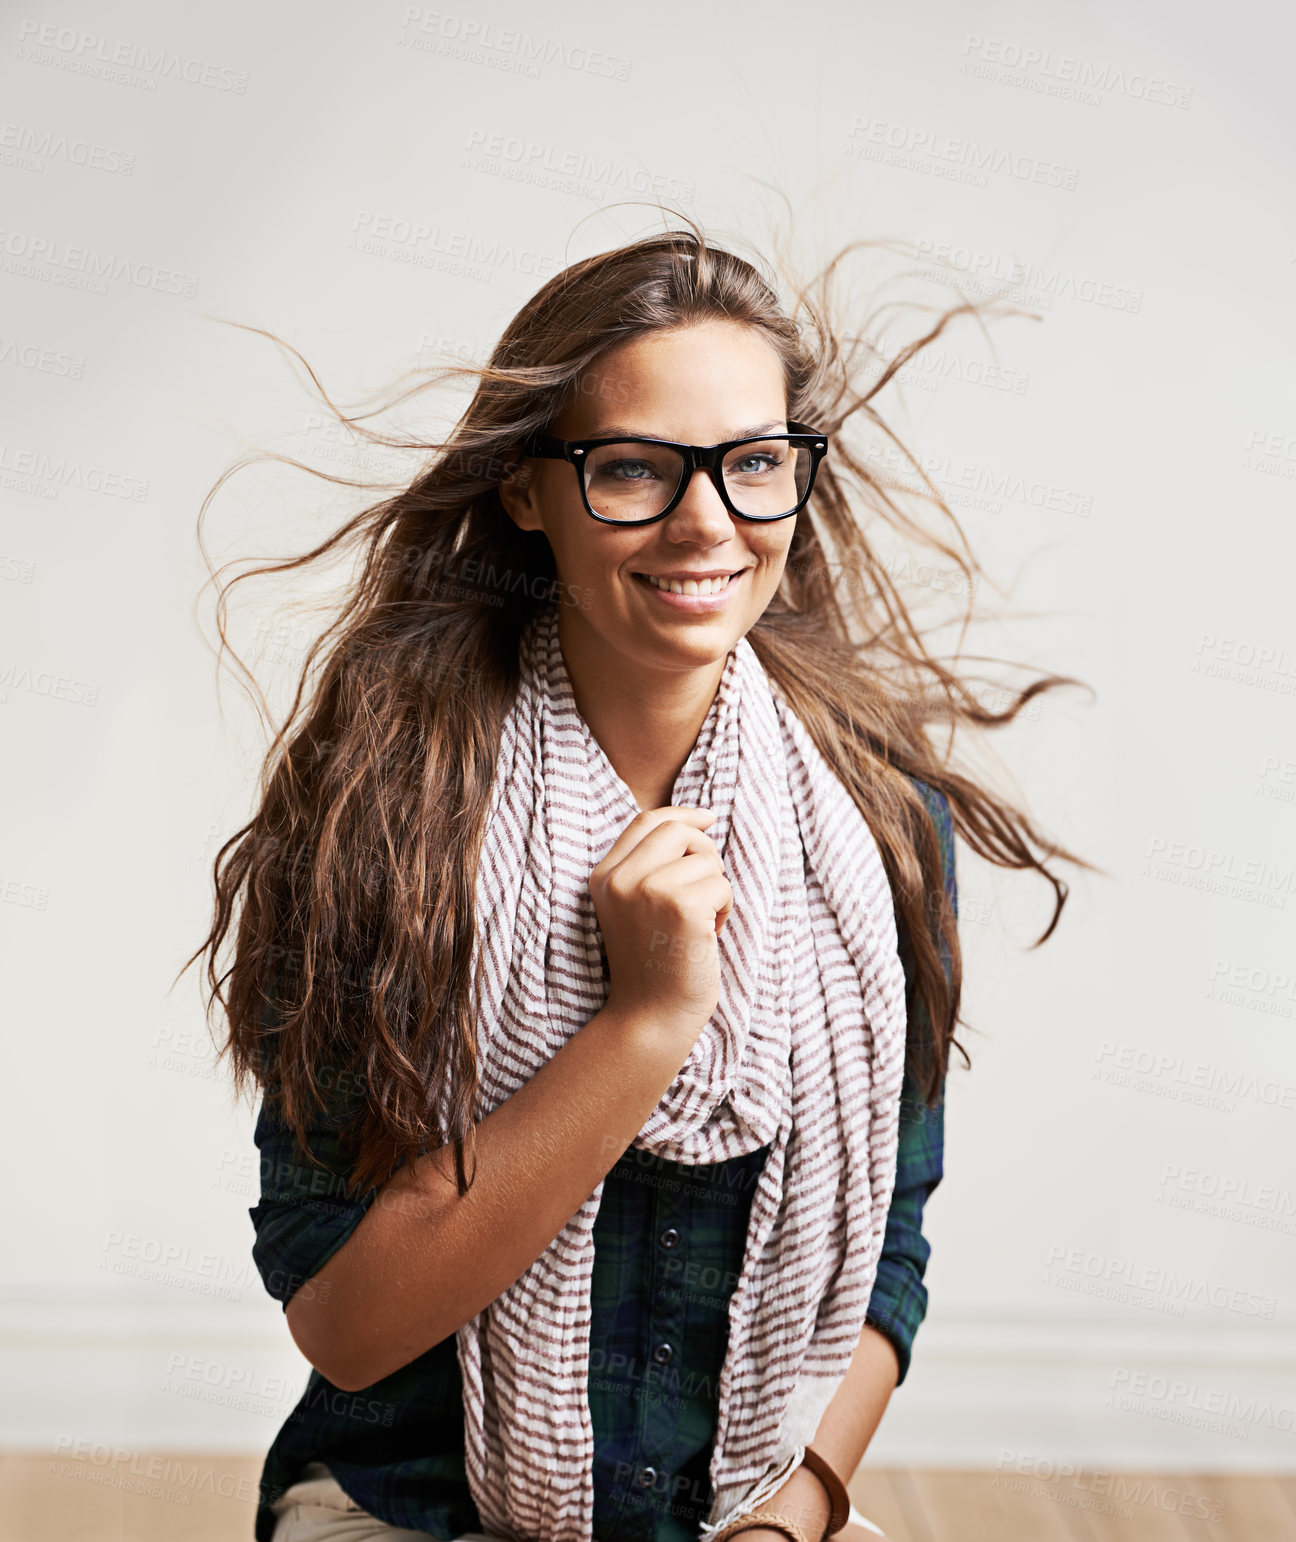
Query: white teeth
690,585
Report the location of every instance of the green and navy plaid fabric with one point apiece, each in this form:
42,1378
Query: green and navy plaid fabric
669,1244
668,1248
899,1300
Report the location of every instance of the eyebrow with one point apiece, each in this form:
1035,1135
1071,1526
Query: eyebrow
620,431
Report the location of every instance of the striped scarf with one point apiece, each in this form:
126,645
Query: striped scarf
805,1051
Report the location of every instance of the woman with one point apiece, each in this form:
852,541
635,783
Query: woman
603,852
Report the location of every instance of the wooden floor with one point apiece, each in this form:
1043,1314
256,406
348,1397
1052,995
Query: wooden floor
1096,1506
104,1496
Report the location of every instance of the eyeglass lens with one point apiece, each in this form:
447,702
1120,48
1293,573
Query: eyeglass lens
635,478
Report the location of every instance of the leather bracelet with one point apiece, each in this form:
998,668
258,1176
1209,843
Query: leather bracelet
839,1498
769,1518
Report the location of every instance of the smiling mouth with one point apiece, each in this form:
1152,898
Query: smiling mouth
700,586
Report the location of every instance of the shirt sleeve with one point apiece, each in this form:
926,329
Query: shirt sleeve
306,1211
308,1207
899,1300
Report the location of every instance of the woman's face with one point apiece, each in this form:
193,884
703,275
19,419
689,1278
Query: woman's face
700,384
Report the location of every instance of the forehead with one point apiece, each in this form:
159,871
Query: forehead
704,383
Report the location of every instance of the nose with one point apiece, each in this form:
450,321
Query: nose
702,509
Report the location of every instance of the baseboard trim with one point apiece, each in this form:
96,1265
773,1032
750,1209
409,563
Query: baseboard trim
988,1389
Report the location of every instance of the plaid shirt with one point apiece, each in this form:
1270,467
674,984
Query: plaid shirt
669,1242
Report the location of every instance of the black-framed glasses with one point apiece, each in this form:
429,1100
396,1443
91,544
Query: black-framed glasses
639,481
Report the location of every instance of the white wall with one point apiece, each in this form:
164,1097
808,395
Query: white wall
1089,1299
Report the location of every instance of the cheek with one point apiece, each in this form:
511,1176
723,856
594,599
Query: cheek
773,566
576,551
600,568
773,556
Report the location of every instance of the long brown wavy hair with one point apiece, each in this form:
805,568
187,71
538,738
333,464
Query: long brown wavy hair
351,887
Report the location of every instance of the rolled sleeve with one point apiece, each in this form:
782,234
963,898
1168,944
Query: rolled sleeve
898,1303
306,1212
899,1300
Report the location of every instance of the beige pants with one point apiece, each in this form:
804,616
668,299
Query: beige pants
318,1509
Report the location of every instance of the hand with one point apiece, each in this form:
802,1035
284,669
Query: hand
852,1531
662,899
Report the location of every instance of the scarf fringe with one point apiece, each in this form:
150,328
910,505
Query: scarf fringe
756,1497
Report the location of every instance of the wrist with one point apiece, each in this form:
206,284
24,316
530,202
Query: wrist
651,1037
805,1501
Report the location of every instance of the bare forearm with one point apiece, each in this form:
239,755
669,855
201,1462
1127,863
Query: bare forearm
423,1261
851,1419
847,1426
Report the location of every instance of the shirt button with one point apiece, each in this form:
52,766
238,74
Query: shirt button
646,1477
662,1353
669,1237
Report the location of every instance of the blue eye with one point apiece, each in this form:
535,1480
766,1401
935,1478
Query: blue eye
617,466
745,467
